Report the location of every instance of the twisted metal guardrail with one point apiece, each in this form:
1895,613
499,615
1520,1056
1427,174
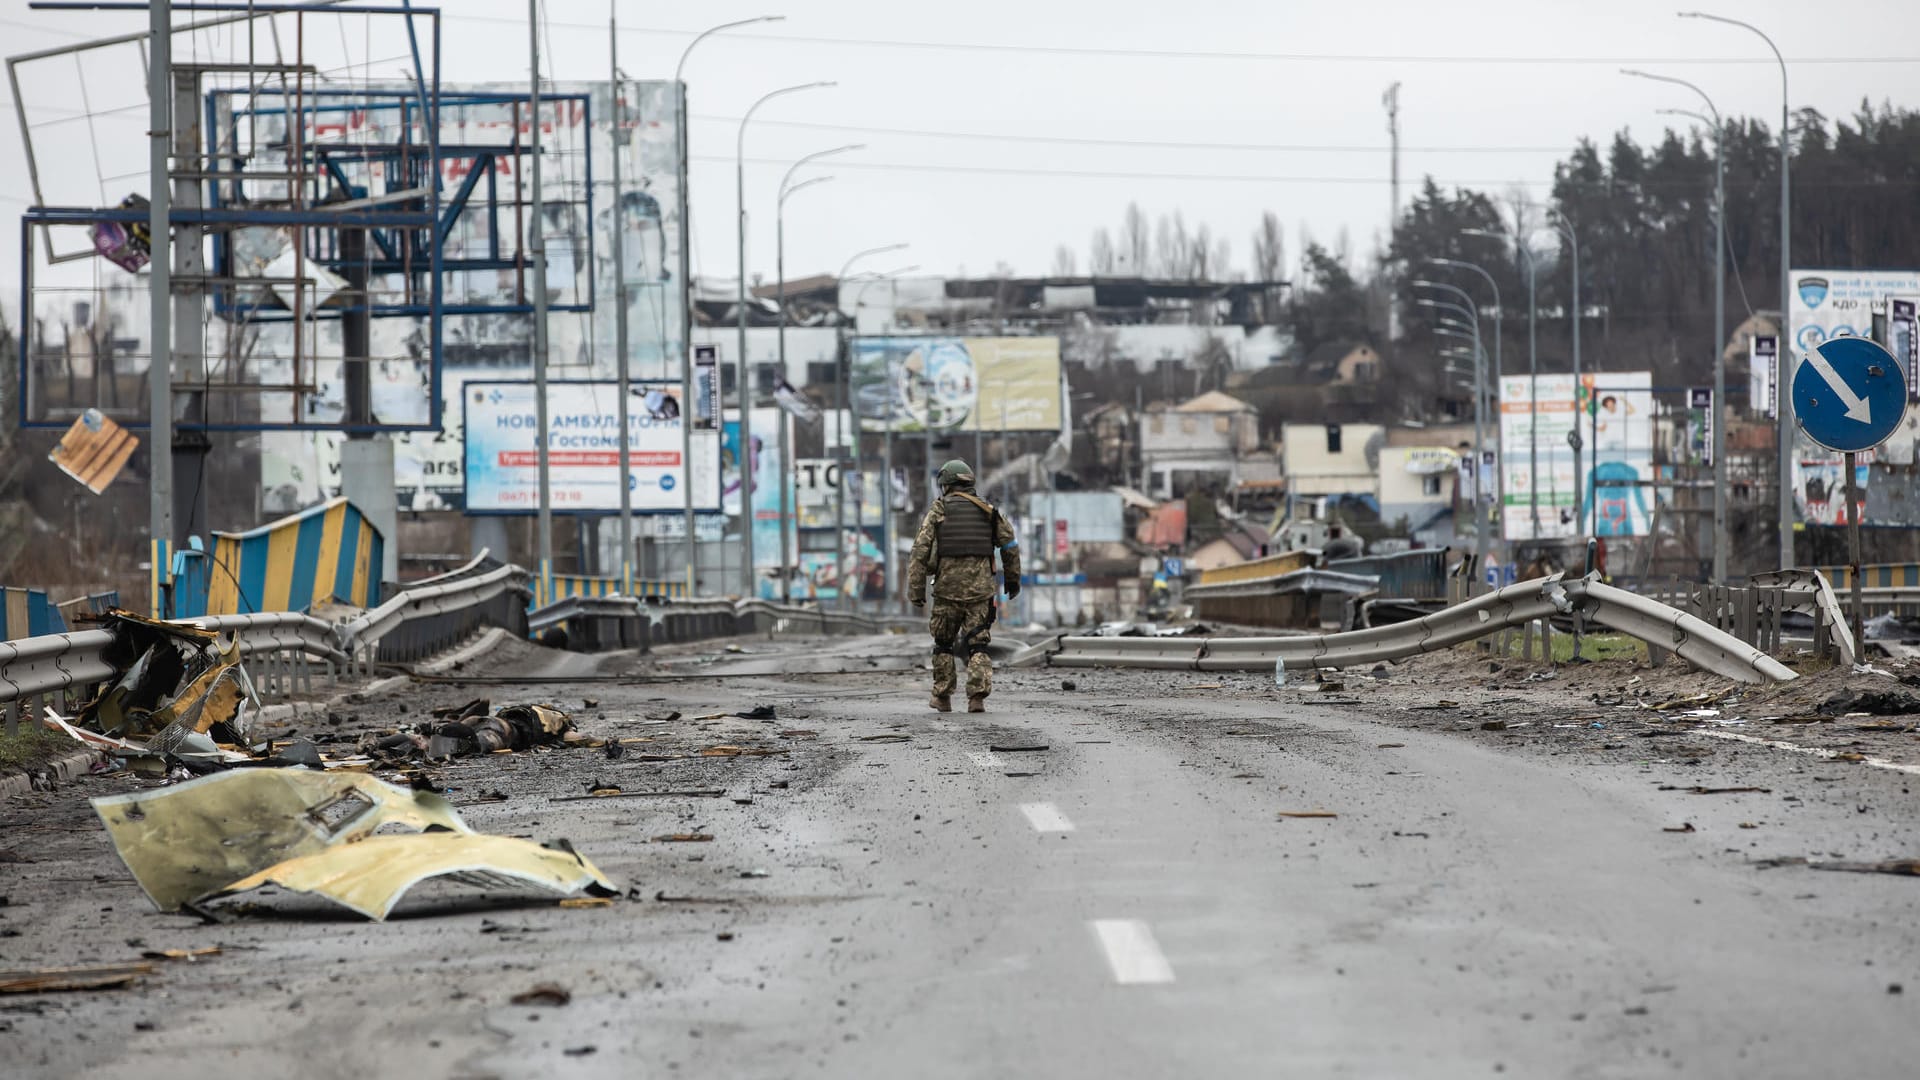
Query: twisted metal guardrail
1507,608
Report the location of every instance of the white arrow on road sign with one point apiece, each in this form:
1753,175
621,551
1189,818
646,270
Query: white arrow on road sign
1856,405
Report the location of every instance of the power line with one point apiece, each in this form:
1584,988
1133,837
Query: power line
1242,178
1150,144
1208,54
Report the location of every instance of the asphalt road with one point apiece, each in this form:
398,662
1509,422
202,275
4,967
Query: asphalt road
1128,901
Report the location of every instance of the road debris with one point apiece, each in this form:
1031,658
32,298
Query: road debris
1308,814
616,793
189,955
1901,867
313,832
1699,790
371,875
683,838
1683,827
1017,748
1873,702
545,993
470,731
92,977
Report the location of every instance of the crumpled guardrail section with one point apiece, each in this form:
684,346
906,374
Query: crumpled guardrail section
602,622
1513,606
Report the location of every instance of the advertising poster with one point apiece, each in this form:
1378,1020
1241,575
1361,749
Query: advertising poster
1617,410
816,480
1828,304
583,449
1521,445
956,384
1763,370
769,471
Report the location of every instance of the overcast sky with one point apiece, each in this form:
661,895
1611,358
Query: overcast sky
1493,92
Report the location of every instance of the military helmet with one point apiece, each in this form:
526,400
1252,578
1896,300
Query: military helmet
955,472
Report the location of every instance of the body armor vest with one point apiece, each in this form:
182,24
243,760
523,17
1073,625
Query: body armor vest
966,530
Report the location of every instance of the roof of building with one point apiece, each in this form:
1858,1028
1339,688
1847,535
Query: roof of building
1213,401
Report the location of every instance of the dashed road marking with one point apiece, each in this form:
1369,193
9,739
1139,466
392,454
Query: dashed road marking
984,759
1132,954
1046,817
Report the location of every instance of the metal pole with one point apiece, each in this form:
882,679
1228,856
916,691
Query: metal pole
538,244
1722,539
623,362
740,361
1784,400
840,471
1493,419
686,290
1853,543
888,592
786,418
160,288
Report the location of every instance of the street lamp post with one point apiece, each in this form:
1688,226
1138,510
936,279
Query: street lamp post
1565,229
1533,378
1499,371
686,286
843,419
744,395
1721,541
1784,400
1470,330
788,188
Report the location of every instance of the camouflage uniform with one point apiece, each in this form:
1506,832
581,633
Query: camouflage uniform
963,596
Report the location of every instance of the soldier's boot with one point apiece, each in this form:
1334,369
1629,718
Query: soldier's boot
941,703
976,703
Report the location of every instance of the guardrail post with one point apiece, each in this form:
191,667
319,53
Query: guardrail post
13,718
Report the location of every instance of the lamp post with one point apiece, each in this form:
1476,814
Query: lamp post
788,189
1469,329
886,461
686,285
543,591
1784,405
1721,542
843,419
1565,228
745,395
1533,378
1499,371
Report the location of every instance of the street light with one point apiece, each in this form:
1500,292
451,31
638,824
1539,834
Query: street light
788,189
1499,371
1721,541
1470,330
1559,223
686,281
747,590
845,417
1533,376
1784,400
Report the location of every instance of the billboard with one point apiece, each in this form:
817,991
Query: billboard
1836,303
956,383
301,468
1615,413
1521,444
817,481
583,449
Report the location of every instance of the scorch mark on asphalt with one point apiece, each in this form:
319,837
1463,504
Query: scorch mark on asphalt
1132,954
1046,817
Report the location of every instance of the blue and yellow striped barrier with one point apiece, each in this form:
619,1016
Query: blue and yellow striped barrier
565,586
1879,576
330,552
26,613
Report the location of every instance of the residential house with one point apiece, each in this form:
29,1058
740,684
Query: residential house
1239,541
1196,445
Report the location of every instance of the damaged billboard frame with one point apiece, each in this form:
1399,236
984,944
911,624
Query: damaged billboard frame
913,384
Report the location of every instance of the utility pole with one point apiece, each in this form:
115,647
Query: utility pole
1391,99
621,359
159,285
537,242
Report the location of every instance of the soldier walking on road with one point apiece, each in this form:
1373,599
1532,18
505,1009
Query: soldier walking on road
955,545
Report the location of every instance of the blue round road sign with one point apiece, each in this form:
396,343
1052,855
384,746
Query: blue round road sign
1849,394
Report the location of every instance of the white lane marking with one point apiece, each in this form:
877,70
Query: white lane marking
1132,954
984,759
1876,762
1046,817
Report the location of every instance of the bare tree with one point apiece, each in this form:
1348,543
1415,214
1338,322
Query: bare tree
1100,253
1063,265
1269,248
1134,241
1173,246
1200,255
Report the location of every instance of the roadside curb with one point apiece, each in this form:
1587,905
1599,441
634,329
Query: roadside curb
60,771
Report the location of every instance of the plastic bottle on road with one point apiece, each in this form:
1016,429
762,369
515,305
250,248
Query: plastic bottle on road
1279,671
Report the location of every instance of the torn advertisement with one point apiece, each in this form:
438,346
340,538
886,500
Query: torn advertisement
371,876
